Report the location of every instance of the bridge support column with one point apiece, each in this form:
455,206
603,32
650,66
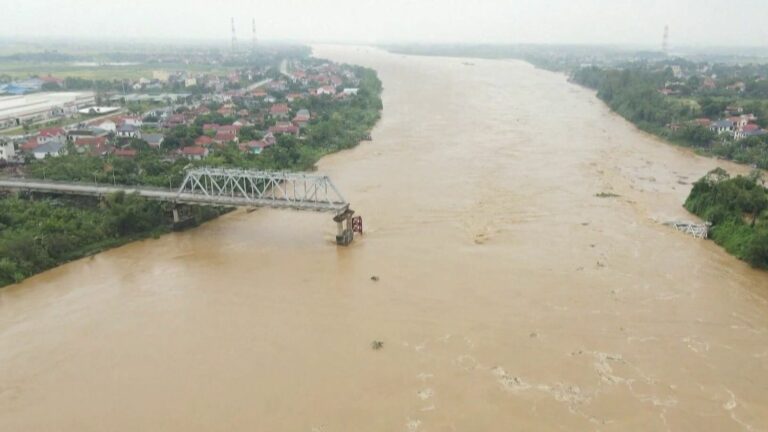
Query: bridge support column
176,218
344,233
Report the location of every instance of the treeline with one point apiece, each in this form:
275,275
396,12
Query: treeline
38,235
736,208
633,94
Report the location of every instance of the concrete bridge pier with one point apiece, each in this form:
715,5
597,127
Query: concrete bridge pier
344,234
182,218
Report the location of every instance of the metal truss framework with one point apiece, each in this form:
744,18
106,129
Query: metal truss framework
699,231
299,191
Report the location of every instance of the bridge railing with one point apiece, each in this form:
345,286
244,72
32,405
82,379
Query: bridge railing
300,189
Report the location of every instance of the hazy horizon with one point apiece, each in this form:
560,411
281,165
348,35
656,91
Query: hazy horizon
557,22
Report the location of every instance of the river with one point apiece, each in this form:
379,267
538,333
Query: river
509,296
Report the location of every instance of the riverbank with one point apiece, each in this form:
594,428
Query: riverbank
735,206
39,235
633,94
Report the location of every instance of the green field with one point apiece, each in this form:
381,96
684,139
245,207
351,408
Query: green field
20,70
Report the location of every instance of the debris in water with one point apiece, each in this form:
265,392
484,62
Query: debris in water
533,335
377,345
607,195
375,278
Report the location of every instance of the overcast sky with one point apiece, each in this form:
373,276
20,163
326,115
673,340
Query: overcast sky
691,22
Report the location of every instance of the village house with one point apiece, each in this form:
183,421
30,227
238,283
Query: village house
29,146
284,128
326,90
748,131
721,126
128,131
127,153
225,136
293,97
302,118
703,122
52,149
50,135
7,151
203,141
154,140
279,111
739,121
93,145
194,152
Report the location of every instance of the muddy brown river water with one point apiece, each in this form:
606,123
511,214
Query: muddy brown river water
509,297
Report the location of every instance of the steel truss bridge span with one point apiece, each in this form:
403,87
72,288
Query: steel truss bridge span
225,188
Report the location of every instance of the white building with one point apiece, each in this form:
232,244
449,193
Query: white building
7,151
37,107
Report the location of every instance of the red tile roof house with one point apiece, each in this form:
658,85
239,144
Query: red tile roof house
225,111
96,146
125,152
50,134
29,146
284,128
229,128
280,110
194,152
705,122
225,137
203,141
208,127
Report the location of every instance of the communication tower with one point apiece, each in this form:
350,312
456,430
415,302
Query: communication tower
253,41
665,41
234,37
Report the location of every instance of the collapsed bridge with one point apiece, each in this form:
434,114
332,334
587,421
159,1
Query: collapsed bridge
224,188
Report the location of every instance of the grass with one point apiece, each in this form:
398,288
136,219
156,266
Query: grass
21,70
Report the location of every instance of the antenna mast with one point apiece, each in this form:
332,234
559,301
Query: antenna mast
254,35
234,38
665,41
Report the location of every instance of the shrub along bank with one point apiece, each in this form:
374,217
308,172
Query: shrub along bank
736,207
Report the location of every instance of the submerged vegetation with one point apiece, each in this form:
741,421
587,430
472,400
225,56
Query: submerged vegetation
736,208
37,235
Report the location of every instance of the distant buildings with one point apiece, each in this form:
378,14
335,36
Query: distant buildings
7,151
37,107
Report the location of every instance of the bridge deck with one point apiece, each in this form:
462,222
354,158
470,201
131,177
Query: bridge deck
179,197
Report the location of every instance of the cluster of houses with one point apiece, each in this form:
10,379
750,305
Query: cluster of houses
268,108
736,124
